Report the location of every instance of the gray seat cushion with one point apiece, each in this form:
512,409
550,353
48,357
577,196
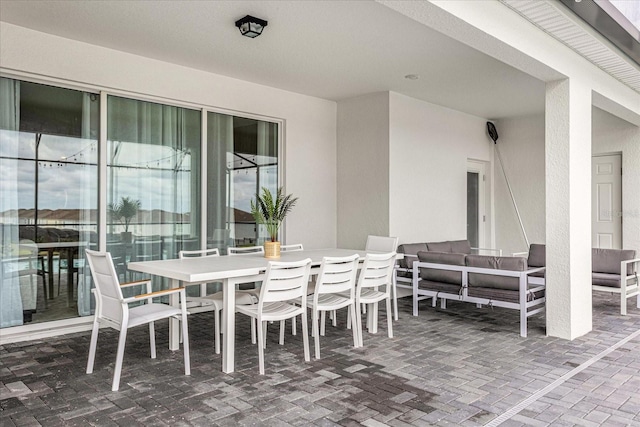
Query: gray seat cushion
442,276
606,279
496,263
410,249
502,294
439,287
608,260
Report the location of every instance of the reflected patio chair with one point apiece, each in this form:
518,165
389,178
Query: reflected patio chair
243,251
284,282
212,302
113,310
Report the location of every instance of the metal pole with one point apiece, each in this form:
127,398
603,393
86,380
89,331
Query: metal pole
513,200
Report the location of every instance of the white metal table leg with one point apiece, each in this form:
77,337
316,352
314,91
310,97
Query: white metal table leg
229,315
174,324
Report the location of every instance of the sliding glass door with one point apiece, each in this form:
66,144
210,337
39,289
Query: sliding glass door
48,198
153,180
242,159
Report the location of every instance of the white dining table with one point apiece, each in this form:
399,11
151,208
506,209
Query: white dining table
230,271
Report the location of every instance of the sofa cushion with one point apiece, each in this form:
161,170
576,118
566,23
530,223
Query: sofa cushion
496,263
439,246
461,247
606,279
608,260
537,255
439,287
444,276
410,249
502,294
451,246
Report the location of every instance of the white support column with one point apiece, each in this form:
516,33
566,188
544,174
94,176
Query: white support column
568,208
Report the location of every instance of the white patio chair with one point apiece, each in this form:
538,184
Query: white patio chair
385,244
112,309
335,289
374,285
213,302
284,282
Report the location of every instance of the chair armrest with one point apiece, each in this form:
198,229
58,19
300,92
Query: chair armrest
137,282
153,294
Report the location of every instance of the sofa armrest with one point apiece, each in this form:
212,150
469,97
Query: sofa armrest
624,265
521,254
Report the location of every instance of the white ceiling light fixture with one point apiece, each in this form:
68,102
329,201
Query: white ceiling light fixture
250,26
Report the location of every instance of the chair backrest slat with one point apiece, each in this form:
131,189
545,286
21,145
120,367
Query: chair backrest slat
199,253
337,274
377,270
247,250
285,281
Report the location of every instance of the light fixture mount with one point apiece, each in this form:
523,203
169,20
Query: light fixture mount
251,26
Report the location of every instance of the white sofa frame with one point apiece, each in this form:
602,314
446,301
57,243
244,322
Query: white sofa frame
629,285
526,307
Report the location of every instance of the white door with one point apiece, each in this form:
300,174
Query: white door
606,204
476,211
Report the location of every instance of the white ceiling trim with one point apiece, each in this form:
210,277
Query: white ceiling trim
549,18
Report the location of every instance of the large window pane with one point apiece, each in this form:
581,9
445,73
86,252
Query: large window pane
242,159
153,180
48,199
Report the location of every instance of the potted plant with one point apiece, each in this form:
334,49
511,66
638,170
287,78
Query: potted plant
270,212
124,212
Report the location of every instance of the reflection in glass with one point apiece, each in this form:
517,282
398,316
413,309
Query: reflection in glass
242,158
49,199
153,163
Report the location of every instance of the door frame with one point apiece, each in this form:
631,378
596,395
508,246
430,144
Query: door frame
484,200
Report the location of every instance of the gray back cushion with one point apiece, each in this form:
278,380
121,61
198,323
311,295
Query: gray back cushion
452,246
608,260
537,255
496,263
443,276
411,249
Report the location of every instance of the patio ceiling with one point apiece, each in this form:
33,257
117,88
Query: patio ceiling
327,49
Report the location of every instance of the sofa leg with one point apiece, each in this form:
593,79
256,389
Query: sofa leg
443,303
623,300
434,302
478,305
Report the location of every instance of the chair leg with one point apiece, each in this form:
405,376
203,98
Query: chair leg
294,327
358,324
334,318
92,346
323,321
389,318
152,339
282,327
352,317
305,336
253,330
260,349
120,355
349,316
314,332
264,335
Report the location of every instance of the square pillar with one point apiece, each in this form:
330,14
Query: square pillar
568,208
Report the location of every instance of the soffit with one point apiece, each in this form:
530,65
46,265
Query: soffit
555,20
328,49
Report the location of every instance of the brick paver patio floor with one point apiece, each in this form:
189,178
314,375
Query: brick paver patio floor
460,366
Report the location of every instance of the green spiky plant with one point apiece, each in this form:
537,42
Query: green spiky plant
125,211
271,211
